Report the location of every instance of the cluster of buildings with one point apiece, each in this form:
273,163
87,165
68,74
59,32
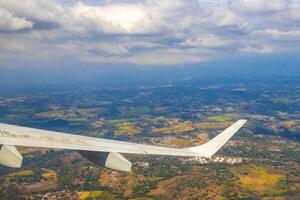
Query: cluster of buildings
218,159
64,194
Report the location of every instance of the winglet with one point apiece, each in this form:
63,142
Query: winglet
211,147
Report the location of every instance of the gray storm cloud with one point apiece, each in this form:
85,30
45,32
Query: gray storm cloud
145,32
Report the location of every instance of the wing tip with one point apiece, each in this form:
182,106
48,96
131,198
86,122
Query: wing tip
211,147
242,121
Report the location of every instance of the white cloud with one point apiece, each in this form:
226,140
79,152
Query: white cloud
258,49
293,10
158,57
274,33
114,19
209,41
107,48
9,22
260,6
145,31
41,10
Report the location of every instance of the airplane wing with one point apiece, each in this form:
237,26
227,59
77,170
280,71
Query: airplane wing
11,135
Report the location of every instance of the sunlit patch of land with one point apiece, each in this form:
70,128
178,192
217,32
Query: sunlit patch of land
124,127
70,115
51,174
131,182
97,124
47,180
31,150
21,173
125,183
127,128
188,186
95,194
174,126
222,118
260,180
73,114
109,178
182,142
84,195
292,125
212,125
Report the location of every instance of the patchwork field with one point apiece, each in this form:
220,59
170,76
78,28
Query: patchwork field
260,180
265,151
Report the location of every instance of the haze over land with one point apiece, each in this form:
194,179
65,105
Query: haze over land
171,73
261,161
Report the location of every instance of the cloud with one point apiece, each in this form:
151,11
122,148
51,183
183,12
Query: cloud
35,10
207,41
9,22
158,57
258,49
113,19
277,34
260,6
145,32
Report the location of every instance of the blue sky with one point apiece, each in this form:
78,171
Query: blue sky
144,32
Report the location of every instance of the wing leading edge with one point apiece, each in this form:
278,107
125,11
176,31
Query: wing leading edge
30,137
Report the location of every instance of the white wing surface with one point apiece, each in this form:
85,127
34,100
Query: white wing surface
30,137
